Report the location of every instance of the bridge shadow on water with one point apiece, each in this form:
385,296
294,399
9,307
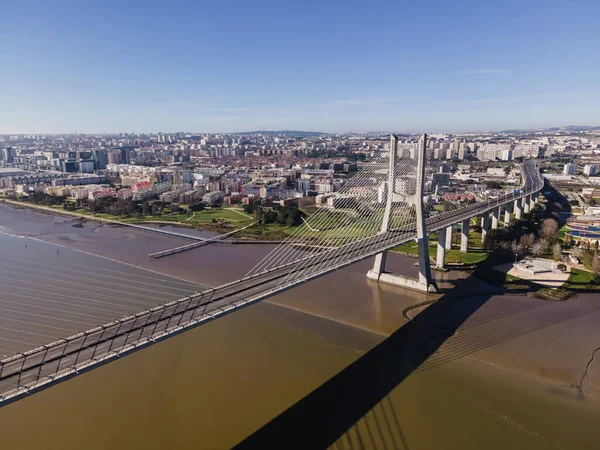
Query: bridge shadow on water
353,409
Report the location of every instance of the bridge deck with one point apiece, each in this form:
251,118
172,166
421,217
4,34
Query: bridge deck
39,367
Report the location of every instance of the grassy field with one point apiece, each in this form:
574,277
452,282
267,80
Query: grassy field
452,256
208,215
561,233
581,279
269,232
234,216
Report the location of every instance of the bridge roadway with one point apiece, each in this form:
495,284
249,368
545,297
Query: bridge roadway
37,368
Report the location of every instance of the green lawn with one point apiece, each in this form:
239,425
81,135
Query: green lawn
456,256
561,233
452,256
225,214
269,232
205,216
581,279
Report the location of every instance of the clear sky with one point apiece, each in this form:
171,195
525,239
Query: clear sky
325,65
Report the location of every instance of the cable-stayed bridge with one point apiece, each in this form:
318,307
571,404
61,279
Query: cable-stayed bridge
396,197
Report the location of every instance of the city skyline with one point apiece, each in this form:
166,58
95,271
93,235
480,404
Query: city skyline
333,67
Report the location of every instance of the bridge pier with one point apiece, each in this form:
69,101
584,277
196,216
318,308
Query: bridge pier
532,201
495,217
518,208
449,231
485,226
425,282
508,209
526,208
440,259
464,235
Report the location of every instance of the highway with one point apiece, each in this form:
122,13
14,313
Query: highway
23,373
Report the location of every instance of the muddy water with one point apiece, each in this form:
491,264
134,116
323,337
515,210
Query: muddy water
212,386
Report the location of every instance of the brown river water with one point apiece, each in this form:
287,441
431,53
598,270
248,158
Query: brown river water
504,380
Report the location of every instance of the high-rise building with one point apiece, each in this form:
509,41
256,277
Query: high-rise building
125,155
456,145
507,154
7,155
569,169
70,165
114,157
86,166
100,158
176,178
590,170
490,152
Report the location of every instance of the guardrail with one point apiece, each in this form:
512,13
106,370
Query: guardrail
184,248
40,367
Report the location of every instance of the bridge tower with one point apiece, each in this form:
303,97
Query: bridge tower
378,273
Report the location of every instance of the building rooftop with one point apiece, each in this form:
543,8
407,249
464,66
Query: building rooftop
10,171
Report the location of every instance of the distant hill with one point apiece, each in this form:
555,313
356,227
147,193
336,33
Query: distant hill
581,127
295,133
567,128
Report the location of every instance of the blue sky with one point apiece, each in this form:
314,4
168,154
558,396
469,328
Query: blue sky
327,65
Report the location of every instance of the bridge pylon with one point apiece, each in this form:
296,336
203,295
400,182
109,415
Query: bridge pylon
425,281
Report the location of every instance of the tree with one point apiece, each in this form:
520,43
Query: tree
517,248
196,206
281,216
548,229
269,217
557,251
527,240
174,208
539,247
294,217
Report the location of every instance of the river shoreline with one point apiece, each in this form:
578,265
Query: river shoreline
398,317
514,348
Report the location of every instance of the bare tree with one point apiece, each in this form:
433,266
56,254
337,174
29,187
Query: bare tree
514,247
539,247
557,251
517,248
549,229
596,267
527,240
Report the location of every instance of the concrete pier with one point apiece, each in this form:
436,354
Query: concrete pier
485,226
518,208
464,235
507,214
448,231
440,259
495,217
526,204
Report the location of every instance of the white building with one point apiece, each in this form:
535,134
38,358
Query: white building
569,169
589,170
213,197
507,154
